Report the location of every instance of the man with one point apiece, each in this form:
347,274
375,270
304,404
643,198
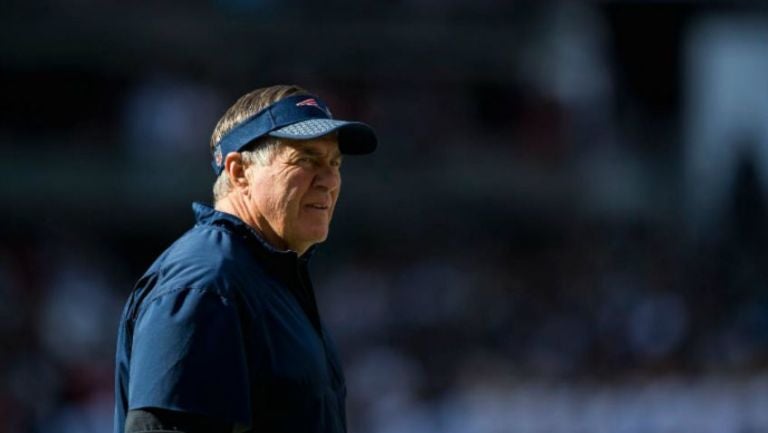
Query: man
222,333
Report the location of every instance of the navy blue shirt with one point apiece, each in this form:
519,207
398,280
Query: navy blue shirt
225,326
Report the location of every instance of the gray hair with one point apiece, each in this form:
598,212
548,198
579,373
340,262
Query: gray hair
249,104
260,156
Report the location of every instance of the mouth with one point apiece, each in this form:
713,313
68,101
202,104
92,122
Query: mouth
317,206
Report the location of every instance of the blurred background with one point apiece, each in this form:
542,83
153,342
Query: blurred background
564,228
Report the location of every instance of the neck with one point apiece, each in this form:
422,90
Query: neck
234,204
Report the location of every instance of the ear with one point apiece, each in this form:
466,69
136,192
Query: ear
235,169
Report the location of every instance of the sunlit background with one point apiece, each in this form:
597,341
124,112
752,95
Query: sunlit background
564,228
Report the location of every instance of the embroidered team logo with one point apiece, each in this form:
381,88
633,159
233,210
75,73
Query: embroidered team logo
217,156
312,102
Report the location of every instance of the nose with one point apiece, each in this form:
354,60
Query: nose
328,178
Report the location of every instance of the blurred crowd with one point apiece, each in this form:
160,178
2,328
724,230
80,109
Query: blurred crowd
562,233
587,320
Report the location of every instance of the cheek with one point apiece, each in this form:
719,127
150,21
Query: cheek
272,198
293,194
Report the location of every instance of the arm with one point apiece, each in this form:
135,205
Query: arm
188,359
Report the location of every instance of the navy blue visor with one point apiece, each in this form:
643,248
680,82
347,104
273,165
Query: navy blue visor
300,117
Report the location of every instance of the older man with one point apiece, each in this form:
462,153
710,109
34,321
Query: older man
222,333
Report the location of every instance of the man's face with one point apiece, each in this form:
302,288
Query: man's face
295,195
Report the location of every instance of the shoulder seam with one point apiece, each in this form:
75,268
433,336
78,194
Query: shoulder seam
158,296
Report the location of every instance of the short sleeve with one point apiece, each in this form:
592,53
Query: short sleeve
188,356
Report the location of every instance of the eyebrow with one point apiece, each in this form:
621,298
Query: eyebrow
314,152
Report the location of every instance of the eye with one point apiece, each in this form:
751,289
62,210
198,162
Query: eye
304,160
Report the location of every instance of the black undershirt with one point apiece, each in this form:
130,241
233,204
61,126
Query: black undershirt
152,420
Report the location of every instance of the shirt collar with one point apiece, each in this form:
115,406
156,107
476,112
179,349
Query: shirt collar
208,216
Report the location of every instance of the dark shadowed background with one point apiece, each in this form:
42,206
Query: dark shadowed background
563,230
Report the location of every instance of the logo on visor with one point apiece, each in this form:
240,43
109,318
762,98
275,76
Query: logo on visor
217,156
312,102
308,102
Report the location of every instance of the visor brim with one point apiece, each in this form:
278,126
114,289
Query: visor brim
355,138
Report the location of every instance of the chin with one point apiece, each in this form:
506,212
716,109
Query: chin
314,236
319,238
